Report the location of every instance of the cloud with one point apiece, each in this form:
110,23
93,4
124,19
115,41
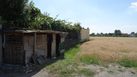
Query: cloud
133,5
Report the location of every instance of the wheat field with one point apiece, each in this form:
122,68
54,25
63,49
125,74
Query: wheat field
110,49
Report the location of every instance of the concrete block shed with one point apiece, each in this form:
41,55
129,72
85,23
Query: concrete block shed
20,47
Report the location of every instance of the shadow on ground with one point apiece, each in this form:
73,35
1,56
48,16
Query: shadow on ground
27,71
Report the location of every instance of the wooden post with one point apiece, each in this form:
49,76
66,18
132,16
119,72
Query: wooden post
46,48
34,48
54,46
34,44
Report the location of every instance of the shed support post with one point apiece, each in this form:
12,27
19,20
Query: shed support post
34,48
54,46
34,43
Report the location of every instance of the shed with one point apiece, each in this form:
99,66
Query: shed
20,47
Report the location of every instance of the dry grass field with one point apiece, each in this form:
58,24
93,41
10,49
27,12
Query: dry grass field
110,49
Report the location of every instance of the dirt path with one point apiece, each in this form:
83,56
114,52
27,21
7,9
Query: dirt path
113,70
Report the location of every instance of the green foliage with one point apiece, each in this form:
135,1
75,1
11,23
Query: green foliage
63,68
86,72
70,54
69,67
11,11
33,16
19,14
128,63
90,59
117,32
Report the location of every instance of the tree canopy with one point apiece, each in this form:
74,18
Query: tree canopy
21,14
11,11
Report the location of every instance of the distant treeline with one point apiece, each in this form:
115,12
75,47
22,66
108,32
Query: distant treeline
117,33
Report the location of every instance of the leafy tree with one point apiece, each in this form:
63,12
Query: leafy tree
11,11
92,34
117,32
19,14
136,34
132,33
47,22
33,16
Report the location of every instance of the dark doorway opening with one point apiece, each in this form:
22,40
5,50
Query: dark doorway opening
49,45
58,40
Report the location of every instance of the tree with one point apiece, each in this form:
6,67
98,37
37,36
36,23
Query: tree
117,32
132,33
92,34
33,17
11,11
136,34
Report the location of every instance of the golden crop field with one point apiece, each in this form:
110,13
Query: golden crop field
110,49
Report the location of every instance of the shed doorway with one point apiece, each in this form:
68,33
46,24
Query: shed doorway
49,45
58,40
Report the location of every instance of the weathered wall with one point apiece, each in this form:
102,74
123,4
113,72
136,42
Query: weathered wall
30,43
84,34
41,45
28,47
13,49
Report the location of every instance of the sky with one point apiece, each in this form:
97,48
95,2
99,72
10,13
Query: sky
98,15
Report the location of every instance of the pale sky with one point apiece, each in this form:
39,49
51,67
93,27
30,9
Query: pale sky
99,15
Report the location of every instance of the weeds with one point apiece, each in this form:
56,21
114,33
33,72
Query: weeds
69,67
128,63
86,72
90,59
71,53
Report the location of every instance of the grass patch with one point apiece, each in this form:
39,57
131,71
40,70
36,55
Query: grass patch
63,68
90,59
71,53
128,63
69,67
86,72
